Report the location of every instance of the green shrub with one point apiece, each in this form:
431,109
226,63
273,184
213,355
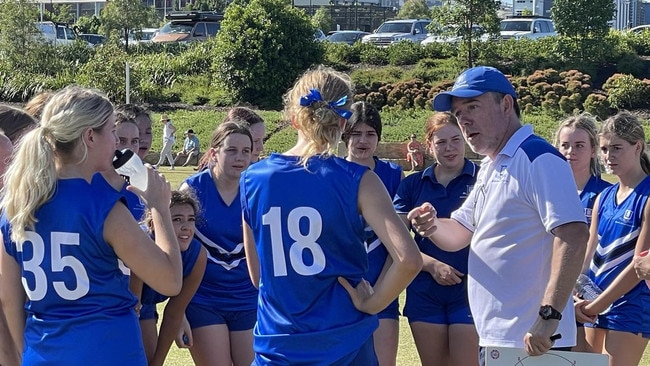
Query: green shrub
404,53
597,105
626,91
341,53
106,72
262,47
373,55
630,63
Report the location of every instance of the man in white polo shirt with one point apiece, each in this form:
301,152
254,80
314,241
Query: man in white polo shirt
523,220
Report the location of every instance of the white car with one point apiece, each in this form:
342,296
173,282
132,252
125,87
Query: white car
393,31
143,36
527,27
451,38
55,33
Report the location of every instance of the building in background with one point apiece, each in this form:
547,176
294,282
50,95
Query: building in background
532,7
629,13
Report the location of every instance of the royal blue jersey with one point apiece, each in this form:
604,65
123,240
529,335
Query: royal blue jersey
619,225
226,283
79,308
594,186
391,175
150,297
134,204
308,232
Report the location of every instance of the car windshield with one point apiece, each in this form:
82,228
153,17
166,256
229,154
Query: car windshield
395,28
516,26
177,28
341,37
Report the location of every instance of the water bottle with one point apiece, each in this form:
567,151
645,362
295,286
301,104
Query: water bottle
586,289
129,165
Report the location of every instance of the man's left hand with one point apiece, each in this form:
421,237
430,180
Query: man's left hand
538,339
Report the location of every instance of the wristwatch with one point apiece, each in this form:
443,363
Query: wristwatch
547,312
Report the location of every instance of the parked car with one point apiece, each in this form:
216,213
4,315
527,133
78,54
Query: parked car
640,28
526,27
93,39
319,35
145,35
55,33
189,26
393,31
346,36
451,35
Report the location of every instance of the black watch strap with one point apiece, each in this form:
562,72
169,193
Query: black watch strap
548,312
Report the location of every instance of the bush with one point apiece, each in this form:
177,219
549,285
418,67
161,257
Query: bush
373,55
597,105
262,47
404,53
626,92
630,63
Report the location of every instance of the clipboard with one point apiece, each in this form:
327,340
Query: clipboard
503,356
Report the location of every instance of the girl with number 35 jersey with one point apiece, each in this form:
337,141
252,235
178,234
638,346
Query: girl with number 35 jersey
304,216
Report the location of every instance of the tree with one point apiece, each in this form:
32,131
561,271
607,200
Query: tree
460,18
262,48
17,32
86,24
323,19
61,13
208,5
582,18
414,9
120,16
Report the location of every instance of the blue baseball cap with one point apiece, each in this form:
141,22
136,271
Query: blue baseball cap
472,83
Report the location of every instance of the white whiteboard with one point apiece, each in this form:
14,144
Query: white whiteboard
502,356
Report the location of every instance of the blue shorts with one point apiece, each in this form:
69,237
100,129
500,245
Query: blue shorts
199,315
391,311
148,312
429,302
627,314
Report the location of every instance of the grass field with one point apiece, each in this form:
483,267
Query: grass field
407,353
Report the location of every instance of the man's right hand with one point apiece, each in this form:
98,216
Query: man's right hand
423,219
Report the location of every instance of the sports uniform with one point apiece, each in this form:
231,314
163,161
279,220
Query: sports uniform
308,232
426,300
226,294
79,309
150,297
594,186
391,175
618,230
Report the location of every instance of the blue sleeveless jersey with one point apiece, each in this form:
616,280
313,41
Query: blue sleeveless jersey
133,203
390,174
618,230
79,309
150,297
226,283
594,186
308,232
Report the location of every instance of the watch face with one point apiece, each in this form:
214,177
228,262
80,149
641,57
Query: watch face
546,311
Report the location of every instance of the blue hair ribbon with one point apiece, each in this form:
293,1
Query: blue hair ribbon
314,96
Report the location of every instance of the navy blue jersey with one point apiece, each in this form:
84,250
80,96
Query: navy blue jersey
226,283
308,232
150,297
594,186
79,308
423,186
414,190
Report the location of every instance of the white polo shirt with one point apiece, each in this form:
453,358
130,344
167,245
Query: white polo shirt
518,199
